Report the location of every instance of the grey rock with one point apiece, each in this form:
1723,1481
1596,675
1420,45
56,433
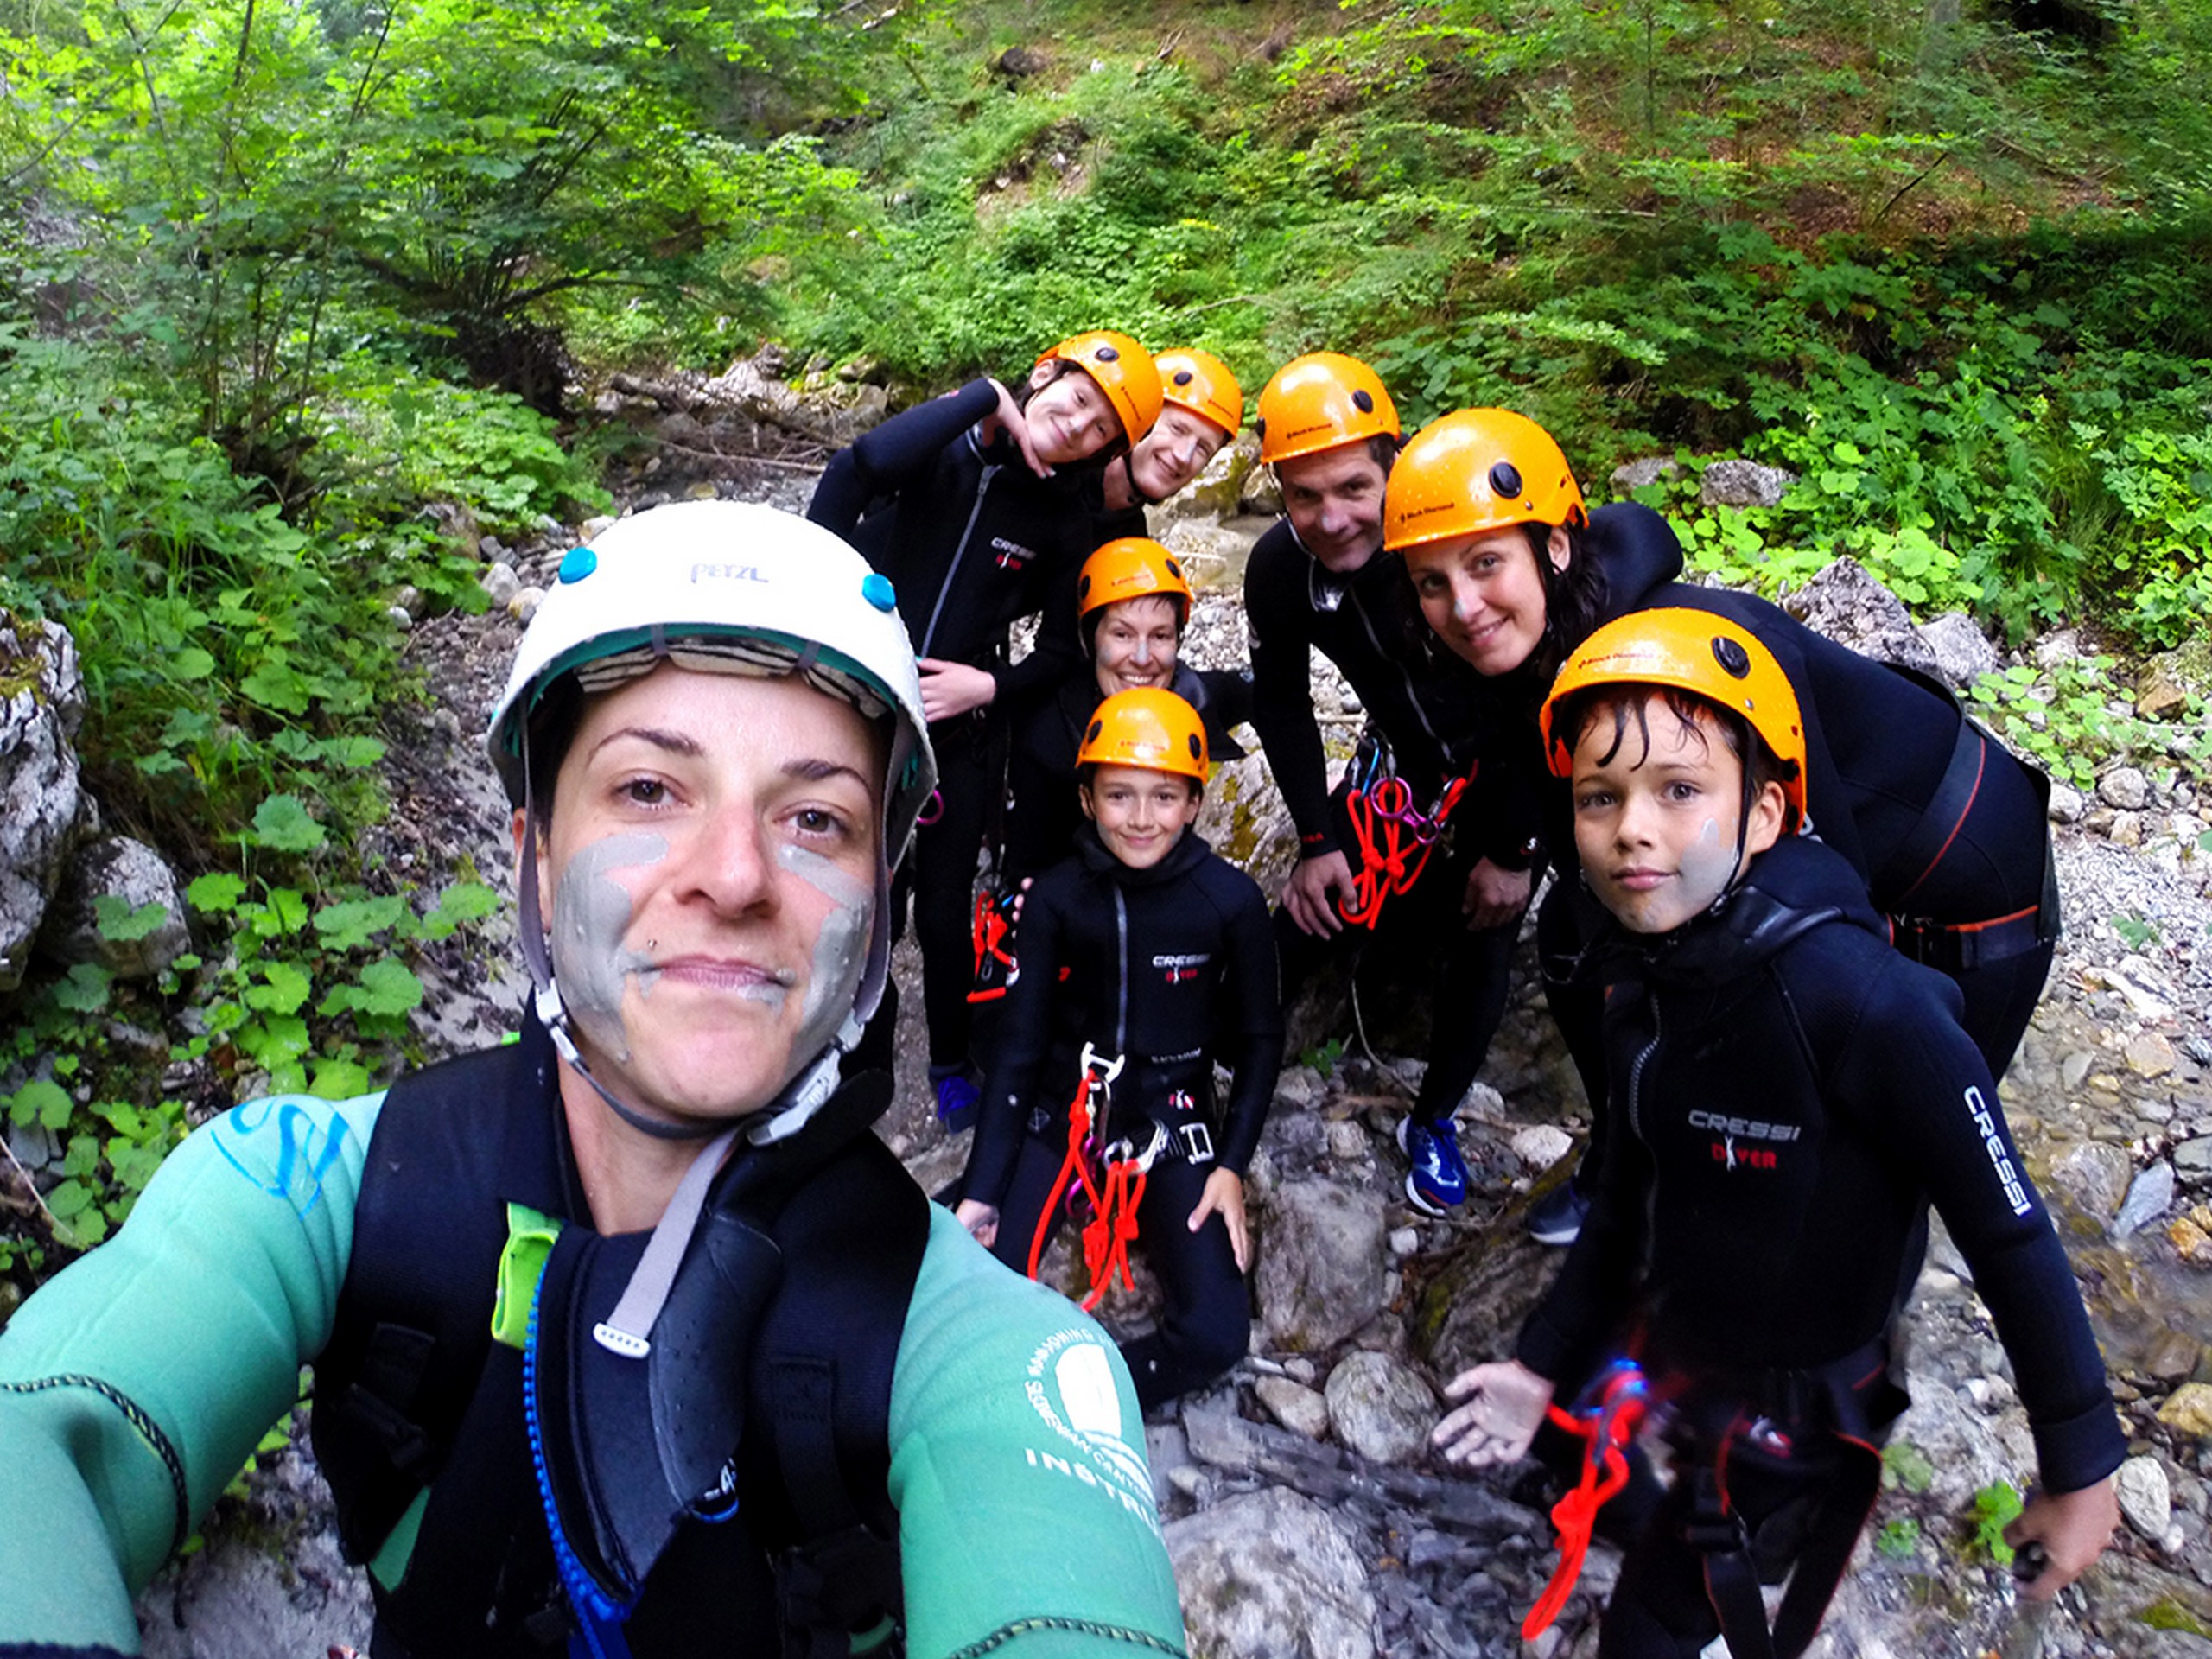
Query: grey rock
1541,1145
500,583
1964,1447
1405,1241
2145,1499
1246,821
593,527
2067,806
39,797
524,603
1849,605
408,598
1272,1573
2093,1176
1320,1272
1216,492
2064,646
1737,483
399,617
2193,1158
1649,469
2148,1197
492,550
1297,1408
1347,1141
1263,495
117,868
1963,653
1382,1409
2125,787
1167,1451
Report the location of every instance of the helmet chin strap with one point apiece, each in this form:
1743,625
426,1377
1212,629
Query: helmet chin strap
798,1101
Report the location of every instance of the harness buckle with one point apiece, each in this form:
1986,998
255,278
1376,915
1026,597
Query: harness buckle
1098,1069
1124,1150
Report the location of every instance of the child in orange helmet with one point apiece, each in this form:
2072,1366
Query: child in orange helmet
1144,959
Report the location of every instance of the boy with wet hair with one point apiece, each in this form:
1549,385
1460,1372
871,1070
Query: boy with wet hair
1791,1096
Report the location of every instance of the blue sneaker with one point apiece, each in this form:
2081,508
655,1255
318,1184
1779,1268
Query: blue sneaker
956,1100
1437,1183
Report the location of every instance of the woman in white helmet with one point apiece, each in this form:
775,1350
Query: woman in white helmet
628,1337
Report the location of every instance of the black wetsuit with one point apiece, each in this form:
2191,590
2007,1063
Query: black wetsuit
1438,719
1791,1094
1173,968
972,540
1879,744
1042,811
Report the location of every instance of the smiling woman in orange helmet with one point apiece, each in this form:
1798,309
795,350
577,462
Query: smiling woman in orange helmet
978,506
1944,825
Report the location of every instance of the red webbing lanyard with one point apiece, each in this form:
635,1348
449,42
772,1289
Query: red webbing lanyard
987,934
1608,1427
1084,1120
1395,839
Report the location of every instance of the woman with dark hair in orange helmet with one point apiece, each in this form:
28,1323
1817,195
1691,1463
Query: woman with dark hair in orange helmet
1945,826
978,506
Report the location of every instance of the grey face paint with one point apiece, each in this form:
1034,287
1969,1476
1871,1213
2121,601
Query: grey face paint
1708,866
591,914
839,949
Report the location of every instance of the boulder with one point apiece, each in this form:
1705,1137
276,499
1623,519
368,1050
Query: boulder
1849,605
1272,1573
2168,681
2147,1199
2093,1176
500,584
2188,1409
1744,484
1632,475
1245,821
1381,1408
1962,651
2125,788
2146,1499
41,705
1320,1276
1216,492
130,873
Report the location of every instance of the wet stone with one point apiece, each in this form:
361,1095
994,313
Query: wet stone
2189,1408
1297,1408
2147,1199
2145,1500
2172,1355
2150,1056
2193,1159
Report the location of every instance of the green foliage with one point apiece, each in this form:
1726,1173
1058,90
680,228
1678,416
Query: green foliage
1995,1507
1905,1465
2071,717
2134,931
1323,1059
1900,1538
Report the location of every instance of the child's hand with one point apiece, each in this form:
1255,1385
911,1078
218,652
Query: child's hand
950,689
979,1219
1010,420
1505,1408
2072,1528
1225,1193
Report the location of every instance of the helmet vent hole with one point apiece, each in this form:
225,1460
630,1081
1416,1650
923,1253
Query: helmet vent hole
1107,354
1505,480
1197,753
1363,401
1734,661
1096,727
1183,377
1174,569
1082,589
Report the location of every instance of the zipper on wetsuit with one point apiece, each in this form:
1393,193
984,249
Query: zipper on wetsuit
959,552
1121,1006
1635,1120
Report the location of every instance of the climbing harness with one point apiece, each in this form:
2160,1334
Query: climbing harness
1105,1178
1394,835
991,934
1617,1400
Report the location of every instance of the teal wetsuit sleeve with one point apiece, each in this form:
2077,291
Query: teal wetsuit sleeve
1026,1522
137,1383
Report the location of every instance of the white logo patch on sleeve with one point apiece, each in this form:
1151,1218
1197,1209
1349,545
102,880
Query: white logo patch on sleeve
1071,1384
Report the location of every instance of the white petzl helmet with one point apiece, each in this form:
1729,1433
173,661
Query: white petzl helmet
731,587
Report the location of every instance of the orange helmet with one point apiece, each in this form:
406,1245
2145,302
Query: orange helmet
1132,567
1691,651
1124,371
1148,729
1322,401
1201,383
1474,470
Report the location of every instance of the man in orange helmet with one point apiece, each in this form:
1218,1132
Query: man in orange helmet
1318,580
